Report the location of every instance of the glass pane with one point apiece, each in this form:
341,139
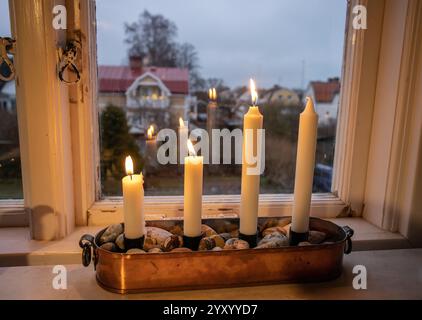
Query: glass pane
157,61
10,164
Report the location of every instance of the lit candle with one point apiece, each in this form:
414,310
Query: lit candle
250,183
193,193
305,163
183,138
133,202
211,110
211,122
151,149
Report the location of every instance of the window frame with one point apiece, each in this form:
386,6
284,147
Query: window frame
324,205
354,140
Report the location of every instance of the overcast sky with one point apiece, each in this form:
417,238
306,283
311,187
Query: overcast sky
237,39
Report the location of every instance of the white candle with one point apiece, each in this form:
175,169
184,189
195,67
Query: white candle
211,110
183,138
133,202
305,163
193,193
252,120
151,150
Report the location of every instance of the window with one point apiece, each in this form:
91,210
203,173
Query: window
156,62
10,166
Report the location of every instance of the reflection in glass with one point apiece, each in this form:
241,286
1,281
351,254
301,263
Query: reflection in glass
158,61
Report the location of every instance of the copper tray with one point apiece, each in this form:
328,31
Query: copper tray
132,273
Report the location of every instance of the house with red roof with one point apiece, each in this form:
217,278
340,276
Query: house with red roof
142,91
325,95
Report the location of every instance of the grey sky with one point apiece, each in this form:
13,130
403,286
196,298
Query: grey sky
237,39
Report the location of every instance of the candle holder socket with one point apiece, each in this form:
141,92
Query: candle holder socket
252,240
296,237
137,243
192,242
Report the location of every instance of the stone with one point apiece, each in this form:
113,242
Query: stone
111,233
155,237
271,230
234,234
273,240
207,231
235,243
155,250
226,236
316,237
172,242
135,251
217,249
109,246
120,241
304,243
208,243
275,222
286,229
182,249
177,230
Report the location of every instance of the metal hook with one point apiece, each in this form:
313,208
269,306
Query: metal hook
68,61
7,46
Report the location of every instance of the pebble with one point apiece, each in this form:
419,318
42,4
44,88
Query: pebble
226,236
217,249
207,231
155,237
271,230
316,237
208,243
286,229
304,243
182,249
274,222
273,240
120,241
111,233
155,250
172,242
177,230
135,251
109,246
235,243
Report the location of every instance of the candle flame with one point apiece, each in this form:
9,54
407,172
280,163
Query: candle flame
181,123
129,165
212,94
254,93
191,149
150,132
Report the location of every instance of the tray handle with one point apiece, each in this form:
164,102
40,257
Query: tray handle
349,234
87,244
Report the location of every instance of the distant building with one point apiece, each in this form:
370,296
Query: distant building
325,95
142,91
8,96
280,95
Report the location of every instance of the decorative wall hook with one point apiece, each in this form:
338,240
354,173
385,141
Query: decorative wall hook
68,61
7,46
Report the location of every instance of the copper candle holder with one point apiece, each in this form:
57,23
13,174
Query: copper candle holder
132,273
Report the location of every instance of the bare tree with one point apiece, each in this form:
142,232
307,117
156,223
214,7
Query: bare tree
152,37
188,58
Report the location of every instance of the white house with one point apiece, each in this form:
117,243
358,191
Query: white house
325,95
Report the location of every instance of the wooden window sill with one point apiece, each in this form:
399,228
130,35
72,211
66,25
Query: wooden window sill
392,274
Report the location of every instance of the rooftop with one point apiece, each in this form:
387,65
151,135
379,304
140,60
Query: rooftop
119,78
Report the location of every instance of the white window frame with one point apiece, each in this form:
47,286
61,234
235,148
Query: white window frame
363,64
